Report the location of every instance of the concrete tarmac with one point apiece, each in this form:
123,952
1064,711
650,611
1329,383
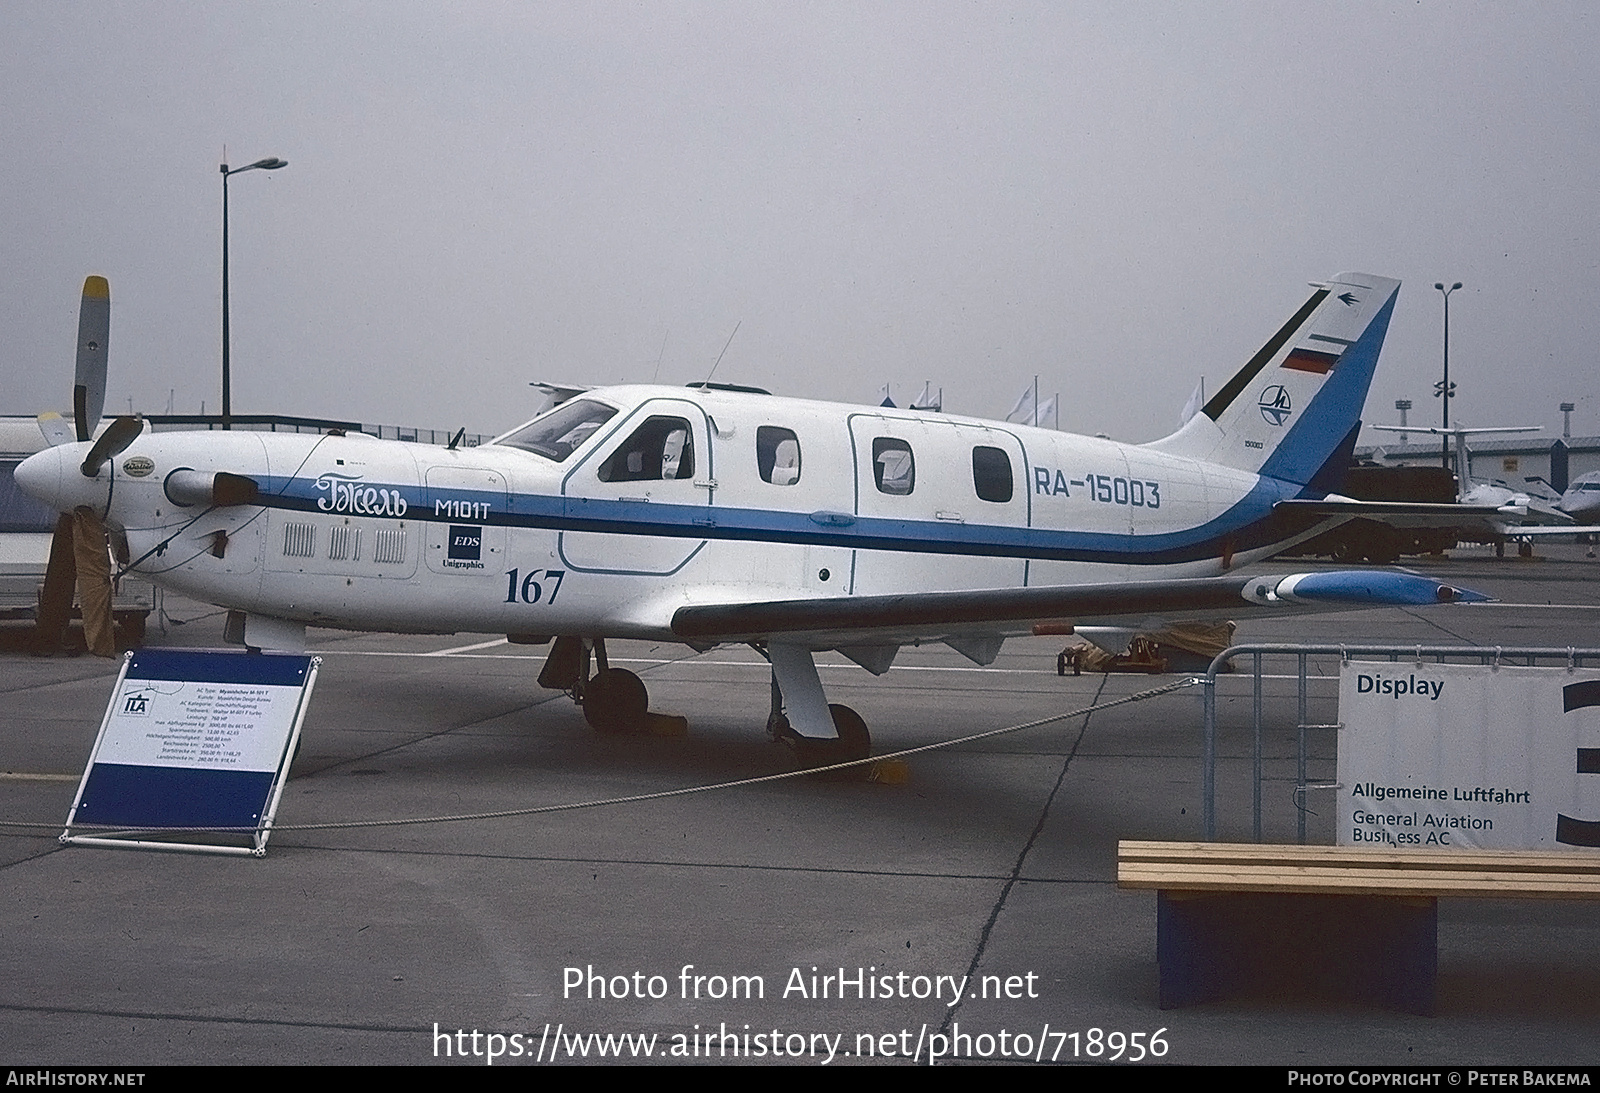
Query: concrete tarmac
735,912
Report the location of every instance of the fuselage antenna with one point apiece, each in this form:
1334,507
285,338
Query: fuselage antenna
707,381
657,373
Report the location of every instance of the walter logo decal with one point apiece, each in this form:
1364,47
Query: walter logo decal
1275,405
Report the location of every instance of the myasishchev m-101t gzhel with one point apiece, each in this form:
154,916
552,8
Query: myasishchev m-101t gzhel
708,515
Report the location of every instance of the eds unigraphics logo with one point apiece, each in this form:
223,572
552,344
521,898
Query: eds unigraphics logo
465,550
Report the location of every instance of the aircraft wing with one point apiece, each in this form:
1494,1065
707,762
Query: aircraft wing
867,620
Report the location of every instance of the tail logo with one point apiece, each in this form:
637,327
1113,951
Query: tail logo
1275,405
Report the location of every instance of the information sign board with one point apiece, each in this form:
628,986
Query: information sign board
1468,756
193,740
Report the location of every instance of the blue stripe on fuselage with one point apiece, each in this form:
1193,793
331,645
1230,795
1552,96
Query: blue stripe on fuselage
1243,526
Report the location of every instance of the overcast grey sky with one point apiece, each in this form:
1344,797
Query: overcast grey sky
1117,197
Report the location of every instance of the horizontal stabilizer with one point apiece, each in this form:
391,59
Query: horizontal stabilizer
1399,514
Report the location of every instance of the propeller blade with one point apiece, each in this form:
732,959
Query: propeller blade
56,429
118,435
94,333
94,582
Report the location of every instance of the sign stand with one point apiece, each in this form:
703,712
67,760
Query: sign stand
193,742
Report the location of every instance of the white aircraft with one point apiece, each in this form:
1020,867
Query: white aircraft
1509,513
1581,501
1514,507
709,514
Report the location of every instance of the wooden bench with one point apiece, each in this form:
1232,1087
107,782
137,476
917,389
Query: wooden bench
1361,922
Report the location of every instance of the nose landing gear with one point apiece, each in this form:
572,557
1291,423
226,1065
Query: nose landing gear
613,699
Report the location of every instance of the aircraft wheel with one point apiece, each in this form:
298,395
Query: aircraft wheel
615,701
852,743
130,629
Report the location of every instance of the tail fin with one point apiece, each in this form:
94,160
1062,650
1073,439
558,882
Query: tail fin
1299,399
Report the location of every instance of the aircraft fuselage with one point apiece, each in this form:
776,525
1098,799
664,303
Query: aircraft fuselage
680,496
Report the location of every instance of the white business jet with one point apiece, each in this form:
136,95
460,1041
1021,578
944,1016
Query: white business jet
713,514
1518,515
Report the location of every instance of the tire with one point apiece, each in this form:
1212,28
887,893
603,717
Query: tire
854,741
130,629
615,700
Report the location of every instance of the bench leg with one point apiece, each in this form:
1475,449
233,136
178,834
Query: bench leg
1380,950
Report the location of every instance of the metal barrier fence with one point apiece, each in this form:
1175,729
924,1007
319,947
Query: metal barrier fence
1570,656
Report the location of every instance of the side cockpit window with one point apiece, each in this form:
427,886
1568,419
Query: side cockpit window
661,448
893,466
562,431
778,455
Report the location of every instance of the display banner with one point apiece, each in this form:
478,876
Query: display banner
194,739
1468,756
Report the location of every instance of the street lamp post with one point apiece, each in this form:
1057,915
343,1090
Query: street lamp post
272,163
1446,390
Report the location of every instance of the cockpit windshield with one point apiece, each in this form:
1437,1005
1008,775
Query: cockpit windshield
562,431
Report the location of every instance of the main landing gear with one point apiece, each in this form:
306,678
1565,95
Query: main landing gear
852,743
821,733
613,699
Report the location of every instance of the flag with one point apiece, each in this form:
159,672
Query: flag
1047,412
1022,412
1309,360
1196,400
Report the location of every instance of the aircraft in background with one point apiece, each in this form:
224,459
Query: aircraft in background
714,514
1517,515
1581,501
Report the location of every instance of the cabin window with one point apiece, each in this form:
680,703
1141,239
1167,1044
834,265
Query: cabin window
893,467
778,455
991,473
563,430
661,448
